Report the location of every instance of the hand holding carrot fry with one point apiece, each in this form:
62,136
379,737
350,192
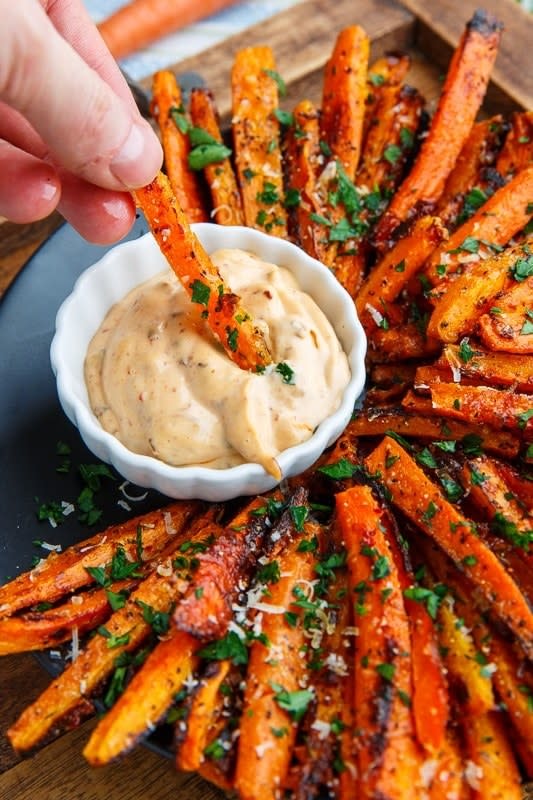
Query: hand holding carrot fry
77,156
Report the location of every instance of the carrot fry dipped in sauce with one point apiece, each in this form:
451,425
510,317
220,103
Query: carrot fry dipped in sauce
232,325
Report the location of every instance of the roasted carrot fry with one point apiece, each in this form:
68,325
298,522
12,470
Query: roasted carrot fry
393,343
124,632
490,368
256,135
481,404
263,751
65,572
384,375
166,101
494,499
491,767
343,97
479,152
377,422
387,279
225,195
145,700
230,323
38,630
457,309
390,138
303,158
520,485
430,702
390,70
425,505
322,742
508,325
493,225
190,754
517,151
462,662
206,608
461,97
388,761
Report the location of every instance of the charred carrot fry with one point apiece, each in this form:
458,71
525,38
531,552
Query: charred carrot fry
461,97
494,224
425,505
65,572
225,195
323,741
478,152
190,753
508,325
38,630
389,70
274,684
377,422
387,279
503,410
493,497
494,369
206,607
256,135
388,761
458,308
517,151
390,138
518,484
230,323
166,101
145,700
124,632
343,97
303,158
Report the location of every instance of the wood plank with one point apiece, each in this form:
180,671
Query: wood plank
302,39
439,27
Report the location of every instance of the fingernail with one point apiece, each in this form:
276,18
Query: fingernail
49,190
139,158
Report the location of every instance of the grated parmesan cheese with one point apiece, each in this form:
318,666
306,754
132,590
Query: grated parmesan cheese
133,498
473,774
322,727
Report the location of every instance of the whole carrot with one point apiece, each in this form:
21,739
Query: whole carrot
141,22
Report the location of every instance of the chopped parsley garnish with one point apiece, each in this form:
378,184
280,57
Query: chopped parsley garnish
527,327
292,198
375,79
159,621
248,174
407,138
51,511
272,73
469,245
215,750
269,195
522,268
392,153
380,568
400,266
294,703
230,646
471,444
233,335
308,545
523,419
340,470
430,598
200,292
453,490
508,529
466,353
116,600
204,154
268,573
446,446
430,511
284,117
426,458
299,515
286,372
113,640
180,120
386,671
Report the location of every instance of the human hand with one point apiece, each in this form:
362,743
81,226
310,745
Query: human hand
71,137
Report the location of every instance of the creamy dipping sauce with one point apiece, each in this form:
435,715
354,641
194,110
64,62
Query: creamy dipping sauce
160,383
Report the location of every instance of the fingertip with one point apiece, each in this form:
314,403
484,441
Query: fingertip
101,216
30,189
139,158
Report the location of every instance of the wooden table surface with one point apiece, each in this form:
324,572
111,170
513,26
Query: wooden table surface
302,39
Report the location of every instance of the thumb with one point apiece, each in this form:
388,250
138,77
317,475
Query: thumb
88,129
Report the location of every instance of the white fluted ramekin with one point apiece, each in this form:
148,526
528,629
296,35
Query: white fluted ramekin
129,264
